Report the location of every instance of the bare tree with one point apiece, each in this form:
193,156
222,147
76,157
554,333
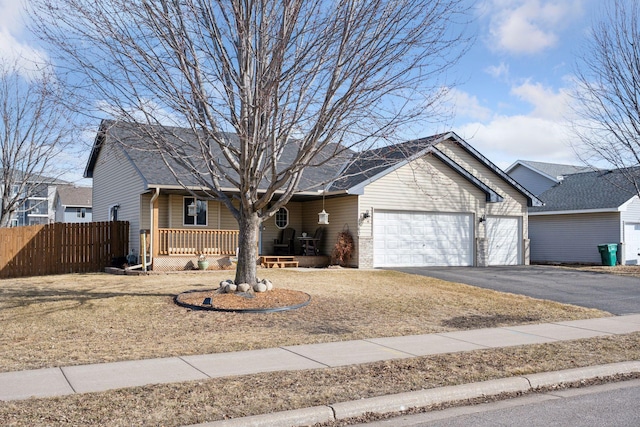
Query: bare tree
607,94
325,76
34,130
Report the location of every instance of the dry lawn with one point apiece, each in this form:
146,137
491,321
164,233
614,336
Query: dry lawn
79,319
202,401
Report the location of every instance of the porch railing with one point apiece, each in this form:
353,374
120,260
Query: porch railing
173,241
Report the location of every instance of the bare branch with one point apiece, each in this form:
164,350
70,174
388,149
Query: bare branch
321,76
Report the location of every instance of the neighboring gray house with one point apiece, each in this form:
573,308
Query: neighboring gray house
73,204
538,177
585,210
38,207
432,201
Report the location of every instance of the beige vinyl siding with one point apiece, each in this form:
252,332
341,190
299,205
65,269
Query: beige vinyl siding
514,203
271,232
163,211
116,181
343,214
572,237
424,185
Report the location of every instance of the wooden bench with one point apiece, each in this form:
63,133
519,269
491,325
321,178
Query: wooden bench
278,261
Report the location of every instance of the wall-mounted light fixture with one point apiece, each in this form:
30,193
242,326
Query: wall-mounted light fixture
365,215
483,218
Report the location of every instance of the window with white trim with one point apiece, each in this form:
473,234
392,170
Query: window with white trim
195,211
282,218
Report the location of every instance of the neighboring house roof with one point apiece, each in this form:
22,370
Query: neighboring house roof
345,172
71,196
38,179
552,171
605,190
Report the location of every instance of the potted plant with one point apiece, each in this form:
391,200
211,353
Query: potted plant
203,264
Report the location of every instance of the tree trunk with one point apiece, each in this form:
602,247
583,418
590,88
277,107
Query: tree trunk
248,248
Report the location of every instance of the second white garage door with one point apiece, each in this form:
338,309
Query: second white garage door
503,240
416,239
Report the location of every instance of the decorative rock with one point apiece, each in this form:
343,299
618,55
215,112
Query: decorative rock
267,283
260,287
230,288
243,287
225,283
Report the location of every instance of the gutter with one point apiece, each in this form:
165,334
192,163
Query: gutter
143,253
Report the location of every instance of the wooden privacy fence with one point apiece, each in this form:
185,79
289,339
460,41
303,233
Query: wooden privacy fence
61,248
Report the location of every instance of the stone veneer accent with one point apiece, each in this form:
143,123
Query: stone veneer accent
365,252
482,260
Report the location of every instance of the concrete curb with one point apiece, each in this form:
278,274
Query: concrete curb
296,417
416,399
548,379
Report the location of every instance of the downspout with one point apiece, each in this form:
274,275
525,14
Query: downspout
151,236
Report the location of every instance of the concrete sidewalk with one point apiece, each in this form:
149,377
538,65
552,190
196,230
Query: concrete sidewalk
107,376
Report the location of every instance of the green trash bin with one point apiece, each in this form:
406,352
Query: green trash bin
608,254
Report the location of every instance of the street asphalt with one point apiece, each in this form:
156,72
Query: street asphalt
613,293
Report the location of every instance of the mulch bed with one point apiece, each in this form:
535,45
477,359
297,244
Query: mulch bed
273,299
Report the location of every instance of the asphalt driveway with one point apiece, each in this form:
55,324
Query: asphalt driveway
615,294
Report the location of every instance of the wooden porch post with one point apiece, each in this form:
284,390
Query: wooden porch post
155,234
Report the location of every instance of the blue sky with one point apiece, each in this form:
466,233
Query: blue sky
512,99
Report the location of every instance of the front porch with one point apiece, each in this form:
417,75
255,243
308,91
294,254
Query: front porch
179,249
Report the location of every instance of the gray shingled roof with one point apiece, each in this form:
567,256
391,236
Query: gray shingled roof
589,190
74,196
136,141
555,170
368,164
338,172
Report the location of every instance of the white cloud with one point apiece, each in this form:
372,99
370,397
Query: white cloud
506,139
547,103
528,26
542,134
468,106
498,71
13,48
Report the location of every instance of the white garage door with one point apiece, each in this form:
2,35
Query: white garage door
503,240
631,243
416,239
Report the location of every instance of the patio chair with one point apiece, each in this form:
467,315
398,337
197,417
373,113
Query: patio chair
312,246
284,245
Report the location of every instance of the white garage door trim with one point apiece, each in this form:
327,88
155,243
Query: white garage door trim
631,243
418,239
504,243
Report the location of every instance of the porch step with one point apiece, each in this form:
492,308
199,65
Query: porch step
278,261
